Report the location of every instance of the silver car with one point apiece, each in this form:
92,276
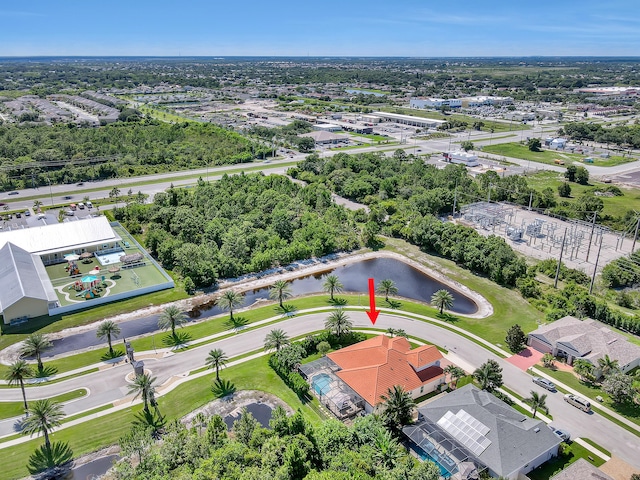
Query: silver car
544,383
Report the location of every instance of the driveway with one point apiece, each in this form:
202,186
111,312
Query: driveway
525,359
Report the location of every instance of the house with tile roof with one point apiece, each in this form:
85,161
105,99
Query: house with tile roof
572,338
370,368
470,427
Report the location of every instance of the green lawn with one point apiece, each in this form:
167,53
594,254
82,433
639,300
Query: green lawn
570,454
14,409
95,434
517,150
614,206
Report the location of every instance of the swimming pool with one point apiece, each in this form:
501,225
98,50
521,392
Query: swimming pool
321,384
446,465
109,258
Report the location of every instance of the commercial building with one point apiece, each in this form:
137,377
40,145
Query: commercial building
323,137
327,127
409,120
588,339
26,255
485,100
611,93
465,158
469,430
434,102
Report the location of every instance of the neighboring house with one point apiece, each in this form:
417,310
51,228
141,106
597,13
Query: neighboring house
471,427
583,470
25,288
572,338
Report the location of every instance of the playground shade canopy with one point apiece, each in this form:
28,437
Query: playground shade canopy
89,278
72,258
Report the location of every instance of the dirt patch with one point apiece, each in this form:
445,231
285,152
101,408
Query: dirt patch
231,404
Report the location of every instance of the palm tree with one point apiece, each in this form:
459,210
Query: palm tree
455,373
607,365
332,284
36,205
115,193
388,287
583,368
143,387
216,359
18,371
108,329
34,345
338,323
397,408
537,402
170,317
488,375
44,416
280,291
229,300
442,299
275,340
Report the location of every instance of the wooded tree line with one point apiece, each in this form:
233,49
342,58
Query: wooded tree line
291,449
621,135
139,148
241,224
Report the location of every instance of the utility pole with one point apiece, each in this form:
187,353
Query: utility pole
455,199
593,226
555,283
489,194
595,268
635,235
530,200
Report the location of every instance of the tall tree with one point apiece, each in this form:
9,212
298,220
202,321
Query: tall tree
44,416
115,193
275,340
608,365
171,317
16,374
34,345
397,408
387,287
108,329
619,386
332,284
583,368
280,290
537,402
442,299
216,359
230,300
144,387
338,323
489,375
516,339
455,373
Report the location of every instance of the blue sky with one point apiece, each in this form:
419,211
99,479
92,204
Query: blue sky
421,28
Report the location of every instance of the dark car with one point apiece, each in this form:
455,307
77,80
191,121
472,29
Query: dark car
18,215
14,193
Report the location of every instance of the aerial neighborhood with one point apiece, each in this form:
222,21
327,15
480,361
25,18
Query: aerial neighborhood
276,252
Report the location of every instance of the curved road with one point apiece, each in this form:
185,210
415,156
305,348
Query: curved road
110,385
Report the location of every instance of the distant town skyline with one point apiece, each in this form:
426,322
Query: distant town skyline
407,28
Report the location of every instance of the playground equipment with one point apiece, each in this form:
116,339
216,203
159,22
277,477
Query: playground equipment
72,268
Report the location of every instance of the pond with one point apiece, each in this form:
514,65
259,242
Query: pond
411,283
260,411
91,470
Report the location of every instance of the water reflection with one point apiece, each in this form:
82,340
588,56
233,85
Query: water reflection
411,283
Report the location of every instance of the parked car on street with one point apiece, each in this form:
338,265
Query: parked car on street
544,383
564,435
578,402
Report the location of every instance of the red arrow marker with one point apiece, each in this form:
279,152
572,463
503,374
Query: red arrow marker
373,313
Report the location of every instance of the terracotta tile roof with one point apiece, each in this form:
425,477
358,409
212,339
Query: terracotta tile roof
375,365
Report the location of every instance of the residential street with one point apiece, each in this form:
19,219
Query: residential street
110,385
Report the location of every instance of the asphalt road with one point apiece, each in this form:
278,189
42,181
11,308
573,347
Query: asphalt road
110,385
